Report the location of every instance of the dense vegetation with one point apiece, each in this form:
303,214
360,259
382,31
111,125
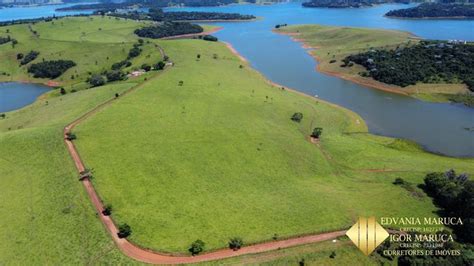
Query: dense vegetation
427,62
157,14
433,10
50,69
4,40
148,4
347,3
205,16
168,29
30,56
455,195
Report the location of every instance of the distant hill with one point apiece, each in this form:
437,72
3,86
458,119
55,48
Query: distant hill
436,10
349,3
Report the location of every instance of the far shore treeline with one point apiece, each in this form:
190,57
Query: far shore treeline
157,14
435,10
427,62
107,5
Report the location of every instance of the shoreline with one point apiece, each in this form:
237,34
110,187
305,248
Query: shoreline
369,83
430,18
217,20
355,119
192,34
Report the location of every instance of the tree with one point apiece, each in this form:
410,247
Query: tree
197,247
97,80
134,52
146,67
19,56
107,210
399,181
198,56
297,117
160,65
50,69
236,243
115,75
210,38
71,136
124,231
62,91
30,56
317,131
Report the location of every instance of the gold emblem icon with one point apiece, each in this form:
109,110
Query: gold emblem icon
367,234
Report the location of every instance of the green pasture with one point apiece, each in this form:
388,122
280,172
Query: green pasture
219,157
205,150
47,217
93,43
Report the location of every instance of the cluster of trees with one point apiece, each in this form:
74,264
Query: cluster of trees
173,16
121,64
209,38
433,10
30,56
168,29
349,3
427,62
198,246
455,195
4,40
50,69
157,14
110,6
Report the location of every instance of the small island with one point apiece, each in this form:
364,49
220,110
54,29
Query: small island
435,10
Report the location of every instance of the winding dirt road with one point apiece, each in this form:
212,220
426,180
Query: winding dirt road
148,256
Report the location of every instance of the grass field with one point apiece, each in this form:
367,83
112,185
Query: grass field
219,157
335,43
313,254
94,43
214,158
46,215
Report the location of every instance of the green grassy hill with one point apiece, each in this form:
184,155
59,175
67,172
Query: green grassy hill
214,158
93,43
219,157
46,215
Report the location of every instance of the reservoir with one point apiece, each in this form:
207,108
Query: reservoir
14,95
438,127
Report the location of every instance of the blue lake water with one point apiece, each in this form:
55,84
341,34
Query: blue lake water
438,127
14,95
13,13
